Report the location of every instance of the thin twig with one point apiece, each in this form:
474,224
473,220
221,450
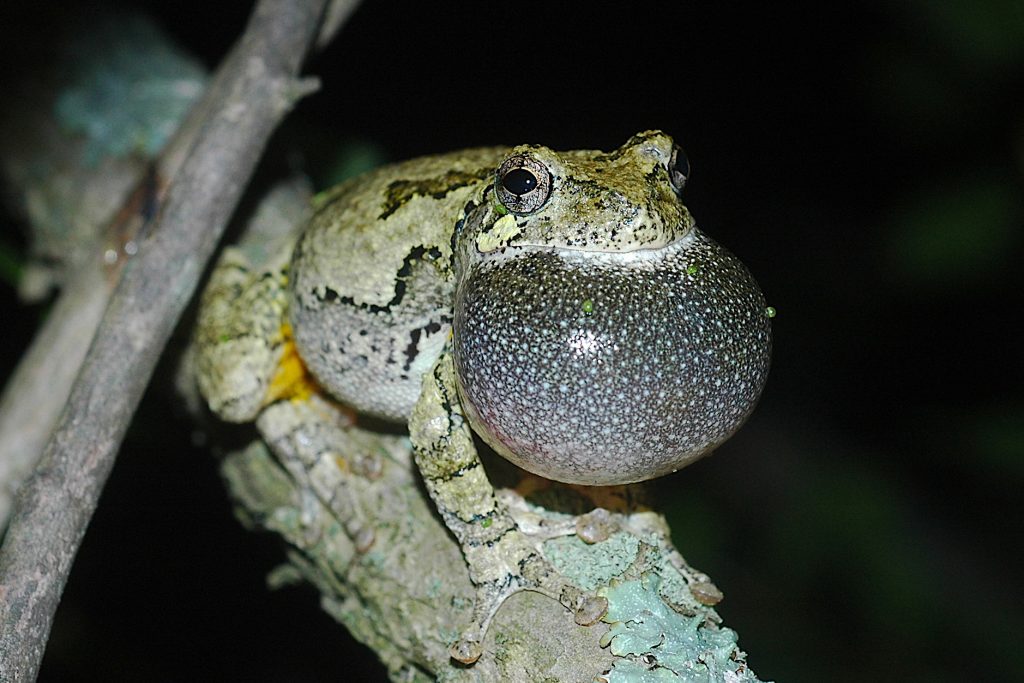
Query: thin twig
38,389
336,16
55,504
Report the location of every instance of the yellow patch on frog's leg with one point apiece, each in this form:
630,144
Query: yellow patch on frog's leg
293,382
502,545
239,335
291,379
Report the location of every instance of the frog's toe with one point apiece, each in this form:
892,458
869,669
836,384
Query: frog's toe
587,611
591,610
490,596
369,465
535,574
466,650
328,459
362,536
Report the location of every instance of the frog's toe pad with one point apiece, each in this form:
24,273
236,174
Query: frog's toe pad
466,651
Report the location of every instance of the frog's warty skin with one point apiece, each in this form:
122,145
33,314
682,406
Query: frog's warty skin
610,369
374,355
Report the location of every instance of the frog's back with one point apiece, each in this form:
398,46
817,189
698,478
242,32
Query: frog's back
371,284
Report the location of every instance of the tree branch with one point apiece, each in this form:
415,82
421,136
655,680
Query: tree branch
55,504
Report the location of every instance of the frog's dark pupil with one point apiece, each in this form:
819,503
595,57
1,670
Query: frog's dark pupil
519,181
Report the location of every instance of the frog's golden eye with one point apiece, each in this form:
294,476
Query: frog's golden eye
678,169
522,184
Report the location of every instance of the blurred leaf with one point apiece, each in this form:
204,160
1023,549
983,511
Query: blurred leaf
913,90
130,87
950,67
697,527
985,34
352,159
956,235
10,264
998,438
849,534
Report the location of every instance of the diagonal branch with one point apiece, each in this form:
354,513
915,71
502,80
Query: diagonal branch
257,87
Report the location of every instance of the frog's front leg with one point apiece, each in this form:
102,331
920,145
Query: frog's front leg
503,557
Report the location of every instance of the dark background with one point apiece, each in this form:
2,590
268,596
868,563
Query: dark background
863,159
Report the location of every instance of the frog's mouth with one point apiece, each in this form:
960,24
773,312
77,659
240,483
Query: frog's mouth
635,257
583,370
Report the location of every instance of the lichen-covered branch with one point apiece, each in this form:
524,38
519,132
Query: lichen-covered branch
408,595
54,505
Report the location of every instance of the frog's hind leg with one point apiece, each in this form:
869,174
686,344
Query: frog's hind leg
248,368
317,444
503,555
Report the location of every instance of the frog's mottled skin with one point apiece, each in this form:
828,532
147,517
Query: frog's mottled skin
563,304
599,339
372,283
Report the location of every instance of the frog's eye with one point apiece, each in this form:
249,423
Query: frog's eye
523,184
678,169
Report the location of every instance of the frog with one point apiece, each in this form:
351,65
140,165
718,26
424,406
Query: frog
563,308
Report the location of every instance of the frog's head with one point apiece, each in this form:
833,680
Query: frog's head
585,200
599,336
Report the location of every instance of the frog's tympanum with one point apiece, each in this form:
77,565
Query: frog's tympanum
563,304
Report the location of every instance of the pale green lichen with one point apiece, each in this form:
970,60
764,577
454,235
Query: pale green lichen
658,644
130,87
592,565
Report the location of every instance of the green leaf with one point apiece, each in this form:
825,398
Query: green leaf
11,264
956,235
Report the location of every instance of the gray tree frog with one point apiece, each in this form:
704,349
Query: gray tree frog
561,305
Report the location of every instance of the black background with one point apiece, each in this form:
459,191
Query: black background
863,159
